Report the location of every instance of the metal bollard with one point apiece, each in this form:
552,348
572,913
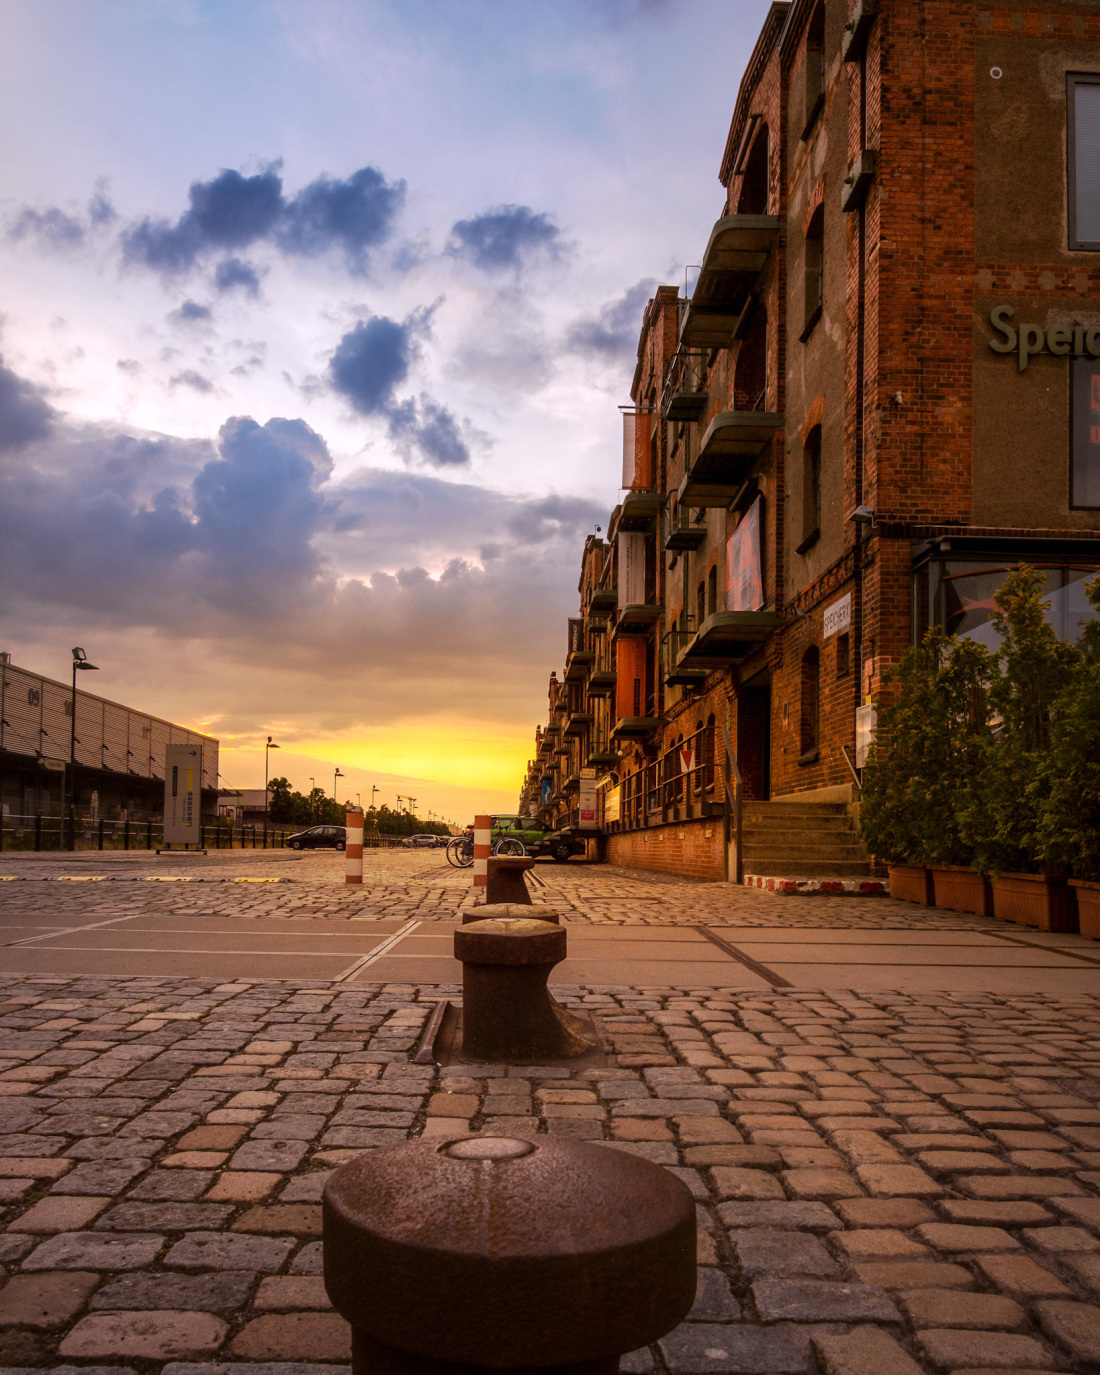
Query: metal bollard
353,853
507,1011
511,909
505,879
491,1253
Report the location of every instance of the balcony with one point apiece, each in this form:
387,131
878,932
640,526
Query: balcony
725,637
635,620
684,393
739,247
577,665
733,443
635,727
639,510
571,785
683,534
554,728
601,682
562,750
602,756
603,599
561,706
578,722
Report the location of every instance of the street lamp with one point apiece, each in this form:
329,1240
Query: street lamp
267,755
374,789
80,661
335,776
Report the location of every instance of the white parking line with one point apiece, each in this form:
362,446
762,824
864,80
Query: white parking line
377,952
69,930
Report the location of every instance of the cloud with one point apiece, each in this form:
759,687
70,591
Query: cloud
235,272
233,211
370,362
190,378
505,237
286,592
53,228
25,415
373,359
614,330
190,312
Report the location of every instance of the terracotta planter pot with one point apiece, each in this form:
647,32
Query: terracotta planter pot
962,890
912,883
1035,900
1088,907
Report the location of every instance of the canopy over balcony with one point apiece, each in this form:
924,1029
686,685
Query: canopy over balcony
738,249
639,510
725,637
732,444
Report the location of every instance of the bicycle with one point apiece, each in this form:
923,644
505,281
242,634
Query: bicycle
460,850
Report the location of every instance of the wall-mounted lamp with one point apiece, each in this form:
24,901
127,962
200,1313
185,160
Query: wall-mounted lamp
863,515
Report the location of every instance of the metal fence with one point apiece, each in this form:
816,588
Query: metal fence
45,831
667,791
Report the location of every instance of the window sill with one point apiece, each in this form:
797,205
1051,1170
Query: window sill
809,542
810,324
810,757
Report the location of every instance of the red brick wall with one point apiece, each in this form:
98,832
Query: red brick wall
692,849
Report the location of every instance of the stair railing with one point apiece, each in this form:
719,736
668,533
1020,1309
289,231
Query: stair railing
852,769
734,794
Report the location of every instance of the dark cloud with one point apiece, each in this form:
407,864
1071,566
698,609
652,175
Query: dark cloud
128,365
505,237
545,518
190,312
613,332
53,228
25,415
190,378
232,273
100,209
356,214
371,360
370,363
233,211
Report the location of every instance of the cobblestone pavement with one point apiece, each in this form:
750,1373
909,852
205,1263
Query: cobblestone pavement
421,884
886,1184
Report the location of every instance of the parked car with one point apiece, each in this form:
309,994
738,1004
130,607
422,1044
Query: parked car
424,842
319,838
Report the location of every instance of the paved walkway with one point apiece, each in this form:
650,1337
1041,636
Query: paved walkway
889,1180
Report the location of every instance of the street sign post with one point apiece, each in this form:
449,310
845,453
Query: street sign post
182,795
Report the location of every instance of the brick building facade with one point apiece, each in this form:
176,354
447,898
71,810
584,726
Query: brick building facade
882,393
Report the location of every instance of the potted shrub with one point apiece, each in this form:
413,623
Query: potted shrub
928,742
1000,818
1069,828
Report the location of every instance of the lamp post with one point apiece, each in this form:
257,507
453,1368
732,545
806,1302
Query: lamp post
335,776
374,789
267,755
80,662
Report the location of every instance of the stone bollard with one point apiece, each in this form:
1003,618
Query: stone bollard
490,1253
483,844
506,883
507,1010
511,909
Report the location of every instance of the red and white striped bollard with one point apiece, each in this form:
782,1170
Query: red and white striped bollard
483,840
353,859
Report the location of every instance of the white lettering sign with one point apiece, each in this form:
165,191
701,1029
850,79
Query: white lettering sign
631,569
182,794
838,617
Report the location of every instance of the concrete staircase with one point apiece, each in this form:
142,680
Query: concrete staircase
801,839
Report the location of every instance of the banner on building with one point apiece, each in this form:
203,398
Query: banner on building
630,447
576,634
547,792
182,794
744,566
586,800
631,568
612,804
630,678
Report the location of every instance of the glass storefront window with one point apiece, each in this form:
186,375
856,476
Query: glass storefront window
967,606
1084,485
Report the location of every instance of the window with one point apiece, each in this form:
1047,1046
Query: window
1083,122
815,68
808,715
701,604
811,489
753,199
814,271
843,655
1084,481
712,591
750,376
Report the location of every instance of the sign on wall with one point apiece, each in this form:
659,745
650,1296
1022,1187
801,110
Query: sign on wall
182,794
838,617
631,568
586,800
612,804
576,634
744,568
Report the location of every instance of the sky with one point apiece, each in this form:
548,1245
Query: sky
315,320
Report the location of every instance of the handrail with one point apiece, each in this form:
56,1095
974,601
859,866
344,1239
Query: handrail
735,800
852,769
